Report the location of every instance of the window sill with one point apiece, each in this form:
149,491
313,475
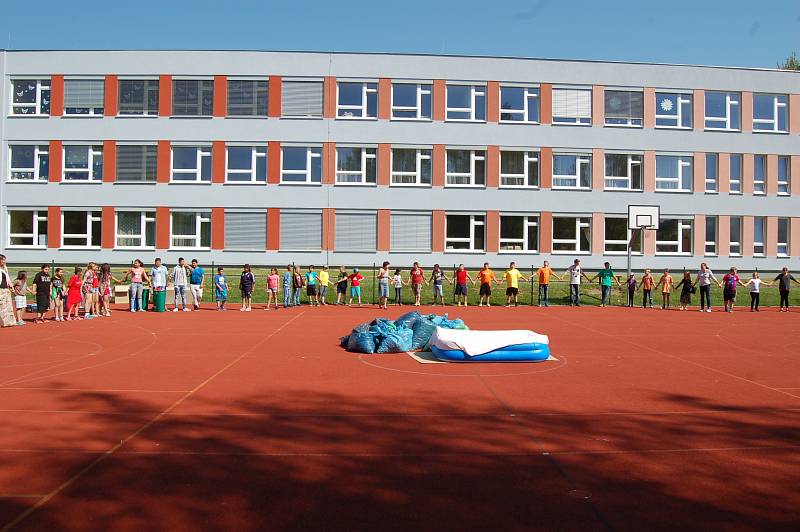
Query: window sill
245,183
78,248
736,193
622,253
355,184
81,182
136,116
189,249
194,117
520,122
465,121
151,248
679,128
520,187
358,118
606,189
126,183
465,251
577,189
672,254
766,132
30,116
517,252
300,183
784,194
82,116
320,117
465,186
406,251
247,117
624,126
29,181
570,252
712,192
206,183
554,123
400,119
721,130
410,185
672,191
25,247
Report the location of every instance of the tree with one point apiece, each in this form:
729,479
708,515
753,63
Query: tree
792,62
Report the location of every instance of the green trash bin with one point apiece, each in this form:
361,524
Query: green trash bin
160,301
145,299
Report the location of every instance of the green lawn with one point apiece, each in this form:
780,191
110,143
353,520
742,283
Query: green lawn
559,291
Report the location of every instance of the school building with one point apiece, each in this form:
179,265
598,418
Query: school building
349,158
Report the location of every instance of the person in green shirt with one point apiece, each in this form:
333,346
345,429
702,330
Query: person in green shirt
607,279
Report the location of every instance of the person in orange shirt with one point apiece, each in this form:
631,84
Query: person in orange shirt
486,278
646,284
666,288
544,274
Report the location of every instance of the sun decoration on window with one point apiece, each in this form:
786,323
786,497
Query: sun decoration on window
615,103
666,104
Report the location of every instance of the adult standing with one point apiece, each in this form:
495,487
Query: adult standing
575,273
196,280
543,274
138,277
42,284
785,280
180,276
513,276
383,284
607,278
704,279
7,318
729,283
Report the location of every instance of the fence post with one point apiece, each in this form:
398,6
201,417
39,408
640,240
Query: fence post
373,283
454,283
531,281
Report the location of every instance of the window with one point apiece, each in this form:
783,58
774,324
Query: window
356,166
759,174
466,102
29,162
246,164
301,99
519,169
623,171
192,97
27,229
759,236
411,101
673,109
83,163
519,104
81,229
84,96
572,106
736,173
248,97
357,100
30,97
572,171
519,233
783,237
464,232
571,234
300,164
784,173
674,236
624,108
770,112
411,166
138,97
711,236
191,163
136,229
674,173
190,230
466,168
712,172
735,236
722,111
617,236
246,230
411,231
301,231
356,231
136,163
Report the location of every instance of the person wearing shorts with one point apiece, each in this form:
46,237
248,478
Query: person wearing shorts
383,284
415,278
196,279
437,279
729,283
324,283
220,288
513,276
311,286
666,288
246,283
486,278
461,278
355,279
20,289
272,288
341,286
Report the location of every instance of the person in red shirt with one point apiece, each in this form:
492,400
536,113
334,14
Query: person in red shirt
462,275
415,278
355,286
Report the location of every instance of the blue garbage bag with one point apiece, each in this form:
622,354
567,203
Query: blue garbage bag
361,342
407,320
423,330
457,323
397,341
344,341
364,327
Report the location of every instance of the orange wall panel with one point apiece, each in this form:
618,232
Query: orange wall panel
794,177
164,95
273,229
329,97
649,171
794,113
164,162
111,105
598,106
748,225
546,232
384,98
162,228
109,161
699,109
546,103
598,233
54,227
492,231
56,161
772,236
439,99
493,166
437,228
218,228
723,235
493,101
328,229
649,107
747,111
108,238
274,104
328,163
220,96
794,235
384,230
274,162
439,156
598,168
56,95
218,161
546,168
699,169
384,164
700,232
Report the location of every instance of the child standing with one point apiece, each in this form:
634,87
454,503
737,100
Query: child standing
666,288
461,277
729,283
415,278
311,287
105,279
755,291
287,286
647,288
397,281
438,278
90,291
324,283
180,276
74,294
42,282
246,283
486,278
297,285
272,288
355,279
631,284
513,276
686,287
20,288
57,286
220,288
341,286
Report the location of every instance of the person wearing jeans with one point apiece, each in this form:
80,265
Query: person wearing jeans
607,277
544,274
785,280
287,287
138,276
704,278
575,273
180,276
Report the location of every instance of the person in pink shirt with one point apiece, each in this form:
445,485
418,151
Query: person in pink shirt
415,278
355,286
272,288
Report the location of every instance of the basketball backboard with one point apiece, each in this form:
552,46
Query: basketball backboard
643,216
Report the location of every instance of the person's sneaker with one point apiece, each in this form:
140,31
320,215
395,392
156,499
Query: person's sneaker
89,317
708,309
186,309
20,322
175,309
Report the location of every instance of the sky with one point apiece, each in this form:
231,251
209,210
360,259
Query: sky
709,32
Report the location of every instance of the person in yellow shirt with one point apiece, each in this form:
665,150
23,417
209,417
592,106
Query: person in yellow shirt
513,277
544,273
486,278
324,283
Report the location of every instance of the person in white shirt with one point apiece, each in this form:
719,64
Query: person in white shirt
180,276
755,290
704,278
575,273
158,276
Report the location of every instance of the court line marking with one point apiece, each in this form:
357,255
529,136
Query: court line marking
109,452
20,496
560,363
93,390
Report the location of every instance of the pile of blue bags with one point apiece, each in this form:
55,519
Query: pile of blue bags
411,331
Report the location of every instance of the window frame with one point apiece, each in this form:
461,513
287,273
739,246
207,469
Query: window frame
531,94
737,241
42,84
636,251
420,158
682,99
93,112
580,222
529,221
201,89
739,171
710,246
760,181
759,241
476,92
730,103
714,180
369,90
684,162
145,218
146,111
529,157
367,153
200,153
633,160
257,152
778,107
422,92
783,248
474,158
684,224
784,181
35,236
474,223
256,89
580,160
312,152
572,121
94,151
201,217
634,123
39,150
92,217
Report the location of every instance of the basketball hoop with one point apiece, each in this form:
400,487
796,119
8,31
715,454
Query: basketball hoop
642,218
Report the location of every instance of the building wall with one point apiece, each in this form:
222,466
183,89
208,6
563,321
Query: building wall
383,133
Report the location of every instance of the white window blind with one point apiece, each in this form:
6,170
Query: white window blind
356,231
410,232
301,231
84,93
572,103
302,98
245,230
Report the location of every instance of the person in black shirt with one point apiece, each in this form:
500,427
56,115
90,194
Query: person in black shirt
42,283
784,283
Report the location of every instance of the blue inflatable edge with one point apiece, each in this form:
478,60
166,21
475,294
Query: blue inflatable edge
532,353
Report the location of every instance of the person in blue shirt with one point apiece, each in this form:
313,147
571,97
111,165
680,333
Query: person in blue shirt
196,278
220,288
287,287
311,287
